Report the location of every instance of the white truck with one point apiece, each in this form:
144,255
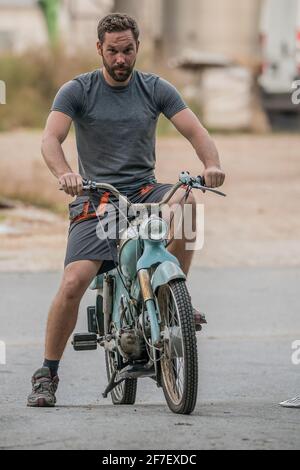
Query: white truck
280,42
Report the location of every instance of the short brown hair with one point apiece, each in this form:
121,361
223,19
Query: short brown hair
115,23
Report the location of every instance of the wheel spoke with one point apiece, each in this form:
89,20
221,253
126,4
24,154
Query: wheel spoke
179,361
174,367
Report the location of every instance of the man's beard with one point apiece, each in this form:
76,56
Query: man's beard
122,77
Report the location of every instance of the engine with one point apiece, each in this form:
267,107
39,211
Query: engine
131,344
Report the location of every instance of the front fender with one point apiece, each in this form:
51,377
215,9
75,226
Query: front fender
166,272
154,253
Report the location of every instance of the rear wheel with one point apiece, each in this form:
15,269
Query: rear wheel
179,362
125,392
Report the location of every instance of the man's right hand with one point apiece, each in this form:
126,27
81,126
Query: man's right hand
71,183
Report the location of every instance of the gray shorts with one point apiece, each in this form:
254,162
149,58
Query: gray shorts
84,242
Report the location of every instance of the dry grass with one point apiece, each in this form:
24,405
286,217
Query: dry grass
258,224
24,172
33,79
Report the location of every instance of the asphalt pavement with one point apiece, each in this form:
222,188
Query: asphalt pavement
245,369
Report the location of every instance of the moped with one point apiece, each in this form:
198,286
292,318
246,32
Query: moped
143,315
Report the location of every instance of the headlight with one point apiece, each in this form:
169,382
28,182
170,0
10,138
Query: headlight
154,228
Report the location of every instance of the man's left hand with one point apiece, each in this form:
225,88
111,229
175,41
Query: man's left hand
214,177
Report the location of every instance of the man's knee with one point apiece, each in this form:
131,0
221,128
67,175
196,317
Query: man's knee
72,287
76,280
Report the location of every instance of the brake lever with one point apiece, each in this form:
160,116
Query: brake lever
200,184
205,188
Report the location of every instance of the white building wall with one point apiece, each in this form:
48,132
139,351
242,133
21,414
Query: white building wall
22,29
223,26
149,17
228,27
78,23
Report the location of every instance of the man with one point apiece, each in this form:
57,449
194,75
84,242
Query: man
115,112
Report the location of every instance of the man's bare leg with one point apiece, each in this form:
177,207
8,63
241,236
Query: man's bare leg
63,313
181,247
61,323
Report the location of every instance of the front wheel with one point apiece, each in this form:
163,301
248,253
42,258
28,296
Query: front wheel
179,362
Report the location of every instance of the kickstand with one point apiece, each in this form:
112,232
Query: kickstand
111,385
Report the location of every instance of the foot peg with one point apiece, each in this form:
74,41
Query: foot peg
84,341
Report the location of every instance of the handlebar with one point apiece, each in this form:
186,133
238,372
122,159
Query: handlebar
193,183
184,179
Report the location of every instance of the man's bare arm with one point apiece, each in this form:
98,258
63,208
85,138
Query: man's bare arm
55,133
187,123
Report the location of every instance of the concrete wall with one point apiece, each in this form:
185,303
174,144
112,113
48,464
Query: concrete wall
179,26
171,26
78,26
78,23
218,26
22,29
148,13
230,27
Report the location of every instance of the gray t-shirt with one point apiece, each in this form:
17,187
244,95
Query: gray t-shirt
115,126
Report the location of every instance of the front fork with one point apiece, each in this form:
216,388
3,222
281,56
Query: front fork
150,305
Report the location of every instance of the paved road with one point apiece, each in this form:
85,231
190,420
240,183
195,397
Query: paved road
244,363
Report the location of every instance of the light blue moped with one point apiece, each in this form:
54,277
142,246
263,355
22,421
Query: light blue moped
143,315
